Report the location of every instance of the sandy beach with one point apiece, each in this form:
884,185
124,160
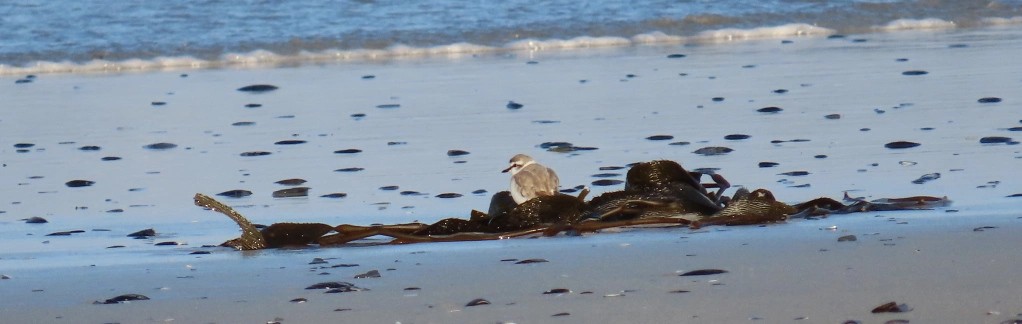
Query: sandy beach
841,99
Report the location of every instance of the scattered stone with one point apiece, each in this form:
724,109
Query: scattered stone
891,307
335,195
479,191
253,105
243,123
389,188
368,77
110,158
411,193
713,150
660,137
160,146
996,140
679,143
768,164
236,193
369,274
914,72
122,299
672,56
900,145
168,243
89,148
349,169
348,151
388,106
514,105
449,195
833,116
606,175
528,261
989,100
735,137
926,178
477,302
703,272
847,238
561,314
291,192
679,291
456,153
65,233
291,182
770,110
557,291
23,145
299,301
200,252
258,88
146,233
290,142
607,182
255,153
795,173
79,183
35,220
4,277
717,99
1014,195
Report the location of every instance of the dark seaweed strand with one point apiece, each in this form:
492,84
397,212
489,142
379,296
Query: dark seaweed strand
251,238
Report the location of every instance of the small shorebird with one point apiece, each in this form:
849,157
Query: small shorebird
530,179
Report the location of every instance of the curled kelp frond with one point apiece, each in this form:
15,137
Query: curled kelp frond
251,238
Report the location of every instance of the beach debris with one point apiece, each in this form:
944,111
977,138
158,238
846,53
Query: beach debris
914,72
795,173
528,261
5,277
607,182
996,140
556,291
901,145
1014,195
110,158
79,183
146,233
291,192
334,287
989,100
660,137
927,178
348,151
289,142
122,299
23,145
291,182
255,153
768,164
891,307
236,193
564,147
702,272
448,195
847,238
770,110
251,238
561,314
352,169
168,243
735,137
35,220
389,188
713,150
89,148
160,146
717,99
369,274
676,55
243,123
253,105
298,301
514,105
334,195
388,106
477,302
65,233
456,152
983,228
258,88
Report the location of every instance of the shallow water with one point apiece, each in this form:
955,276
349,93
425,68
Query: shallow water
611,99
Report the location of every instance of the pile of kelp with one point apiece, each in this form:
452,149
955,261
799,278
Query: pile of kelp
657,193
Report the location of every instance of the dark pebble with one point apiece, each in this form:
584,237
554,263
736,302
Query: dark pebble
477,302
299,300
1014,195
890,307
713,150
22,81
388,106
65,233
679,143
561,314
143,233
675,55
111,158
253,105
833,116
449,195
983,228
820,156
1015,129
200,252
795,173
389,188
291,182
158,103
610,168
847,238
168,243
335,195
36,220
836,36
160,146
368,274
291,192
456,153
989,100
396,143
914,72
926,178
479,191
768,164
368,77
901,145
255,153
660,137
514,105
717,99
606,175
735,137
79,183
349,169
358,115
289,142
115,246
557,291
330,285
703,272
411,193
995,140
679,291
348,151
769,109
23,145
781,91
122,299
89,148
528,261
243,123
257,88
607,182
236,193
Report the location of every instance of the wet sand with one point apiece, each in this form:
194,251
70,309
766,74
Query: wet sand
943,264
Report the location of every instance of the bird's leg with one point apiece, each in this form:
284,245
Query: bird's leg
721,184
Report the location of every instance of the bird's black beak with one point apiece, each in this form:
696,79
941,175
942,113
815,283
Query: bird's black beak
508,169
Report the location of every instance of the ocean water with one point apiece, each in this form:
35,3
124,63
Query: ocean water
96,35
